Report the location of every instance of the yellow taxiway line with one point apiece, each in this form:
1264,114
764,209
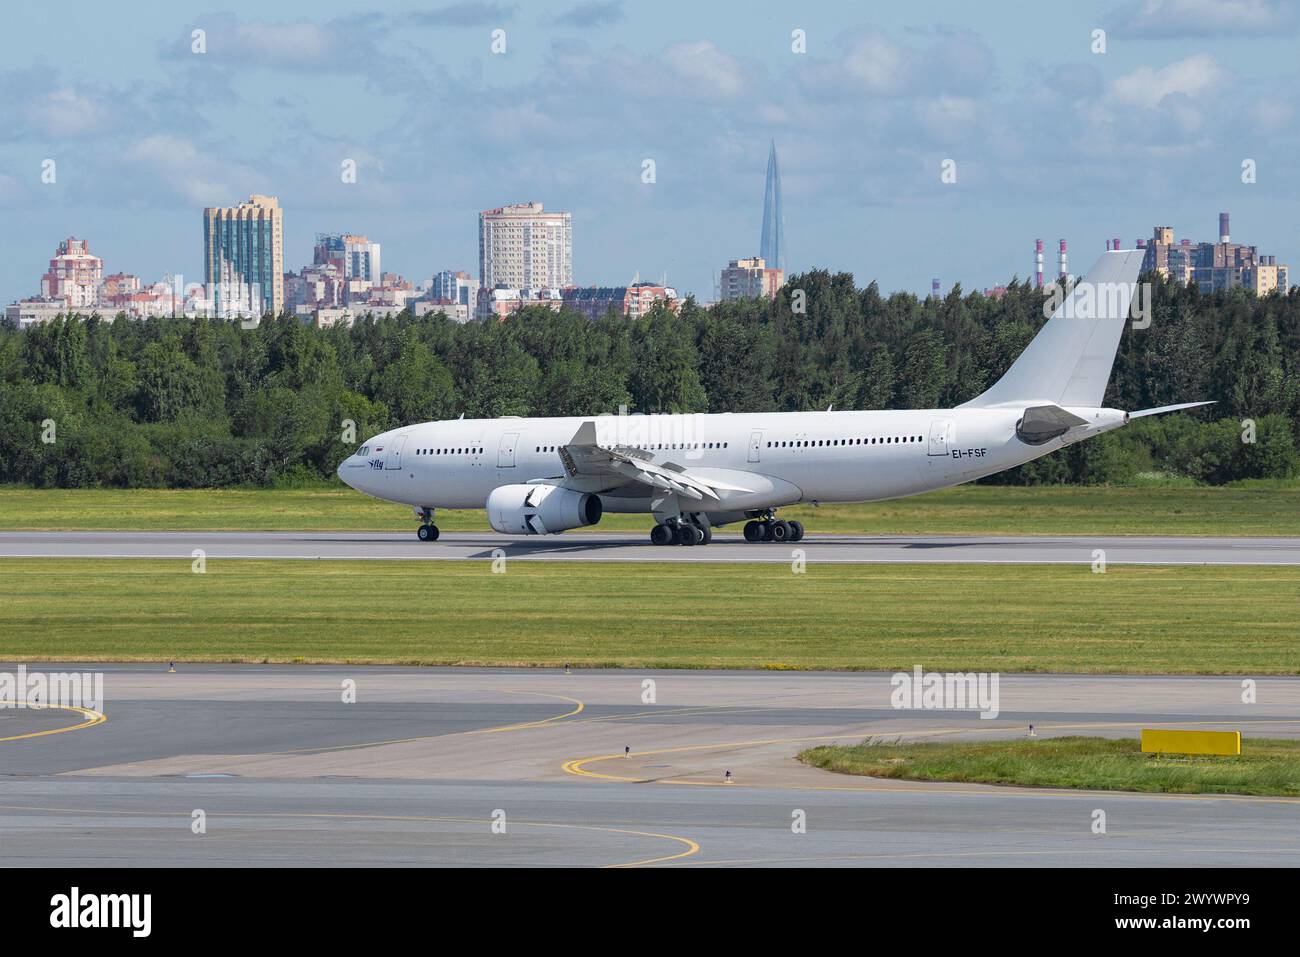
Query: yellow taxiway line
691,846
92,718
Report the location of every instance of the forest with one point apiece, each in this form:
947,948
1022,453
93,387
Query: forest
192,402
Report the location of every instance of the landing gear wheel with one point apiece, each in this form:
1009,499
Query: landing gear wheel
753,531
779,532
692,535
796,531
661,535
427,533
708,534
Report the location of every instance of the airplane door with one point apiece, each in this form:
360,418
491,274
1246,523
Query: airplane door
755,443
393,457
506,451
941,433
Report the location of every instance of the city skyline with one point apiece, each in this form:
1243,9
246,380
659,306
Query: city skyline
1056,139
534,249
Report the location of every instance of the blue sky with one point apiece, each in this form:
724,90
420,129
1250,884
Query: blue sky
1050,139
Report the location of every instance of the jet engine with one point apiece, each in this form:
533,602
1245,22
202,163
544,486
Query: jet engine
541,509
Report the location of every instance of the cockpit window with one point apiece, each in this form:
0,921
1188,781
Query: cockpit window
364,450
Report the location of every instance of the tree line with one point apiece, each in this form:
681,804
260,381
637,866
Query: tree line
195,402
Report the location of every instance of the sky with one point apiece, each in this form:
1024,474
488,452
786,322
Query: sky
1048,136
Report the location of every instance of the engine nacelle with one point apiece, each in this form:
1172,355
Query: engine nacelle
541,509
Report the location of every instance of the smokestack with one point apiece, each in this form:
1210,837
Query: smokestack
934,287
1116,242
1063,263
1141,244
1223,227
1108,245
1038,263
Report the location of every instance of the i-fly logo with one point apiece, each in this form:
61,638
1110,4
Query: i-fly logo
75,909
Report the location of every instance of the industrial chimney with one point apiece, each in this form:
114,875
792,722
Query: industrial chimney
1116,242
1038,263
1063,263
934,287
1223,227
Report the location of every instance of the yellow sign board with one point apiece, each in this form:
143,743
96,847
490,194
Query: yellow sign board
1190,742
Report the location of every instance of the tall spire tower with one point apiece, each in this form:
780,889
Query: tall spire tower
772,247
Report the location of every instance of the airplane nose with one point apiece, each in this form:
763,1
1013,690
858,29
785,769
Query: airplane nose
339,472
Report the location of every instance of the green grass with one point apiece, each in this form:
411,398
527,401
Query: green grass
1184,619
1150,509
1265,766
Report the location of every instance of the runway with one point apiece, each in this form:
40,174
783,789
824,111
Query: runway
527,767
609,547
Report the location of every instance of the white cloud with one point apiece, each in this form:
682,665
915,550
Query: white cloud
196,176
1147,86
950,118
344,45
1206,18
524,123
701,62
66,112
875,63
870,63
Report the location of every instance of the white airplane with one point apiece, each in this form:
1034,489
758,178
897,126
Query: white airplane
693,473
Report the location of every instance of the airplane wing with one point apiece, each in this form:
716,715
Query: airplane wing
587,462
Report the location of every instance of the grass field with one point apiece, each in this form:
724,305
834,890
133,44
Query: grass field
1188,619
1257,509
1265,766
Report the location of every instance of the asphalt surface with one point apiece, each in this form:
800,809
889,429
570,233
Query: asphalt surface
624,547
419,767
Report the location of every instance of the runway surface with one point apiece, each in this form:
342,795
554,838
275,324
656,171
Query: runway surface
626,547
419,768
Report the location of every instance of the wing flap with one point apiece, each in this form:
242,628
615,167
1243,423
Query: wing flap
585,456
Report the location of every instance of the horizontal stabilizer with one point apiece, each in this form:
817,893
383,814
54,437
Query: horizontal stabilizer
1168,408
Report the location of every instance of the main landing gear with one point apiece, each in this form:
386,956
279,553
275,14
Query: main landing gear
681,533
772,529
427,532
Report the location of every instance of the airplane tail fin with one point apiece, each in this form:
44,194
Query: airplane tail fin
1068,363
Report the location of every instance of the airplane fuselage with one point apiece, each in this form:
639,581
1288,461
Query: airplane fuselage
775,458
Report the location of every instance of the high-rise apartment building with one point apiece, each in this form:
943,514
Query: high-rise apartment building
356,257
243,256
455,287
750,279
74,275
524,247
